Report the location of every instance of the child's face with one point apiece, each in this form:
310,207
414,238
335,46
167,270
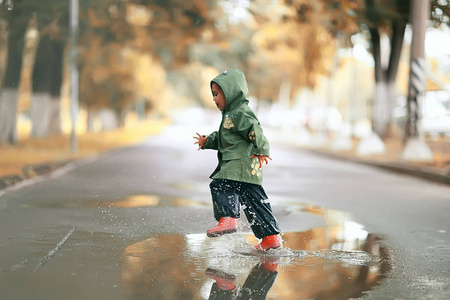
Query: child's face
218,96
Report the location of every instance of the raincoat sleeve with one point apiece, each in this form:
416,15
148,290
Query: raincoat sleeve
212,141
250,129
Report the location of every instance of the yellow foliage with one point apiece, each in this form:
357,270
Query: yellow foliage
138,15
300,51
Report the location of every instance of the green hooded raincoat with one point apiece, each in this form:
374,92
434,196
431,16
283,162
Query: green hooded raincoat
240,135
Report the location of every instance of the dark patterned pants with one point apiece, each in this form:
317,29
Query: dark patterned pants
228,195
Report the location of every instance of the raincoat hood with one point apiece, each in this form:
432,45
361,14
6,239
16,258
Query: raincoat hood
234,87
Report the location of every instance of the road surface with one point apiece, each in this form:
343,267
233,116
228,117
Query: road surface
131,224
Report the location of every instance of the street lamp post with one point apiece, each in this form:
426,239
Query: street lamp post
74,6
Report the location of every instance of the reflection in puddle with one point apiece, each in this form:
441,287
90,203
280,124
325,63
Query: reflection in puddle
256,286
338,261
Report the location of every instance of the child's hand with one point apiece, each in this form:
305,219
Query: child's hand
201,140
262,158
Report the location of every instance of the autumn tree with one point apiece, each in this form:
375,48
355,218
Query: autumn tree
293,48
182,36
124,37
51,19
47,72
106,78
390,18
377,18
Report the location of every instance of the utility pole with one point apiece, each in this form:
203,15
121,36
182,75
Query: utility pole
416,148
74,93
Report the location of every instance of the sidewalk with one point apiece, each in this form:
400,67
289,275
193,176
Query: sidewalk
34,158
437,171
431,173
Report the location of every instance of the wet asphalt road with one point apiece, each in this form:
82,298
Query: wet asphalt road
131,224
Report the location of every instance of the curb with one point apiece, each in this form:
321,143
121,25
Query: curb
31,171
428,173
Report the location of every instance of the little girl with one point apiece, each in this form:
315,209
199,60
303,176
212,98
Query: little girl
242,150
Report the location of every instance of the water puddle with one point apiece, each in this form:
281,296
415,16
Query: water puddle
335,259
149,200
133,201
339,260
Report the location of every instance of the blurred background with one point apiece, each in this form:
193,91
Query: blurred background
331,74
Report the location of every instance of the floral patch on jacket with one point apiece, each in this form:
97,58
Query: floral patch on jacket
228,123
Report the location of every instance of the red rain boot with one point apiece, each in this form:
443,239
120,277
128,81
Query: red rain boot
223,280
270,264
269,242
226,225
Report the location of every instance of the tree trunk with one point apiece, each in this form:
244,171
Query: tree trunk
284,97
122,116
55,116
47,78
140,109
416,148
17,23
40,113
8,116
55,89
385,91
108,119
3,48
90,120
381,109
